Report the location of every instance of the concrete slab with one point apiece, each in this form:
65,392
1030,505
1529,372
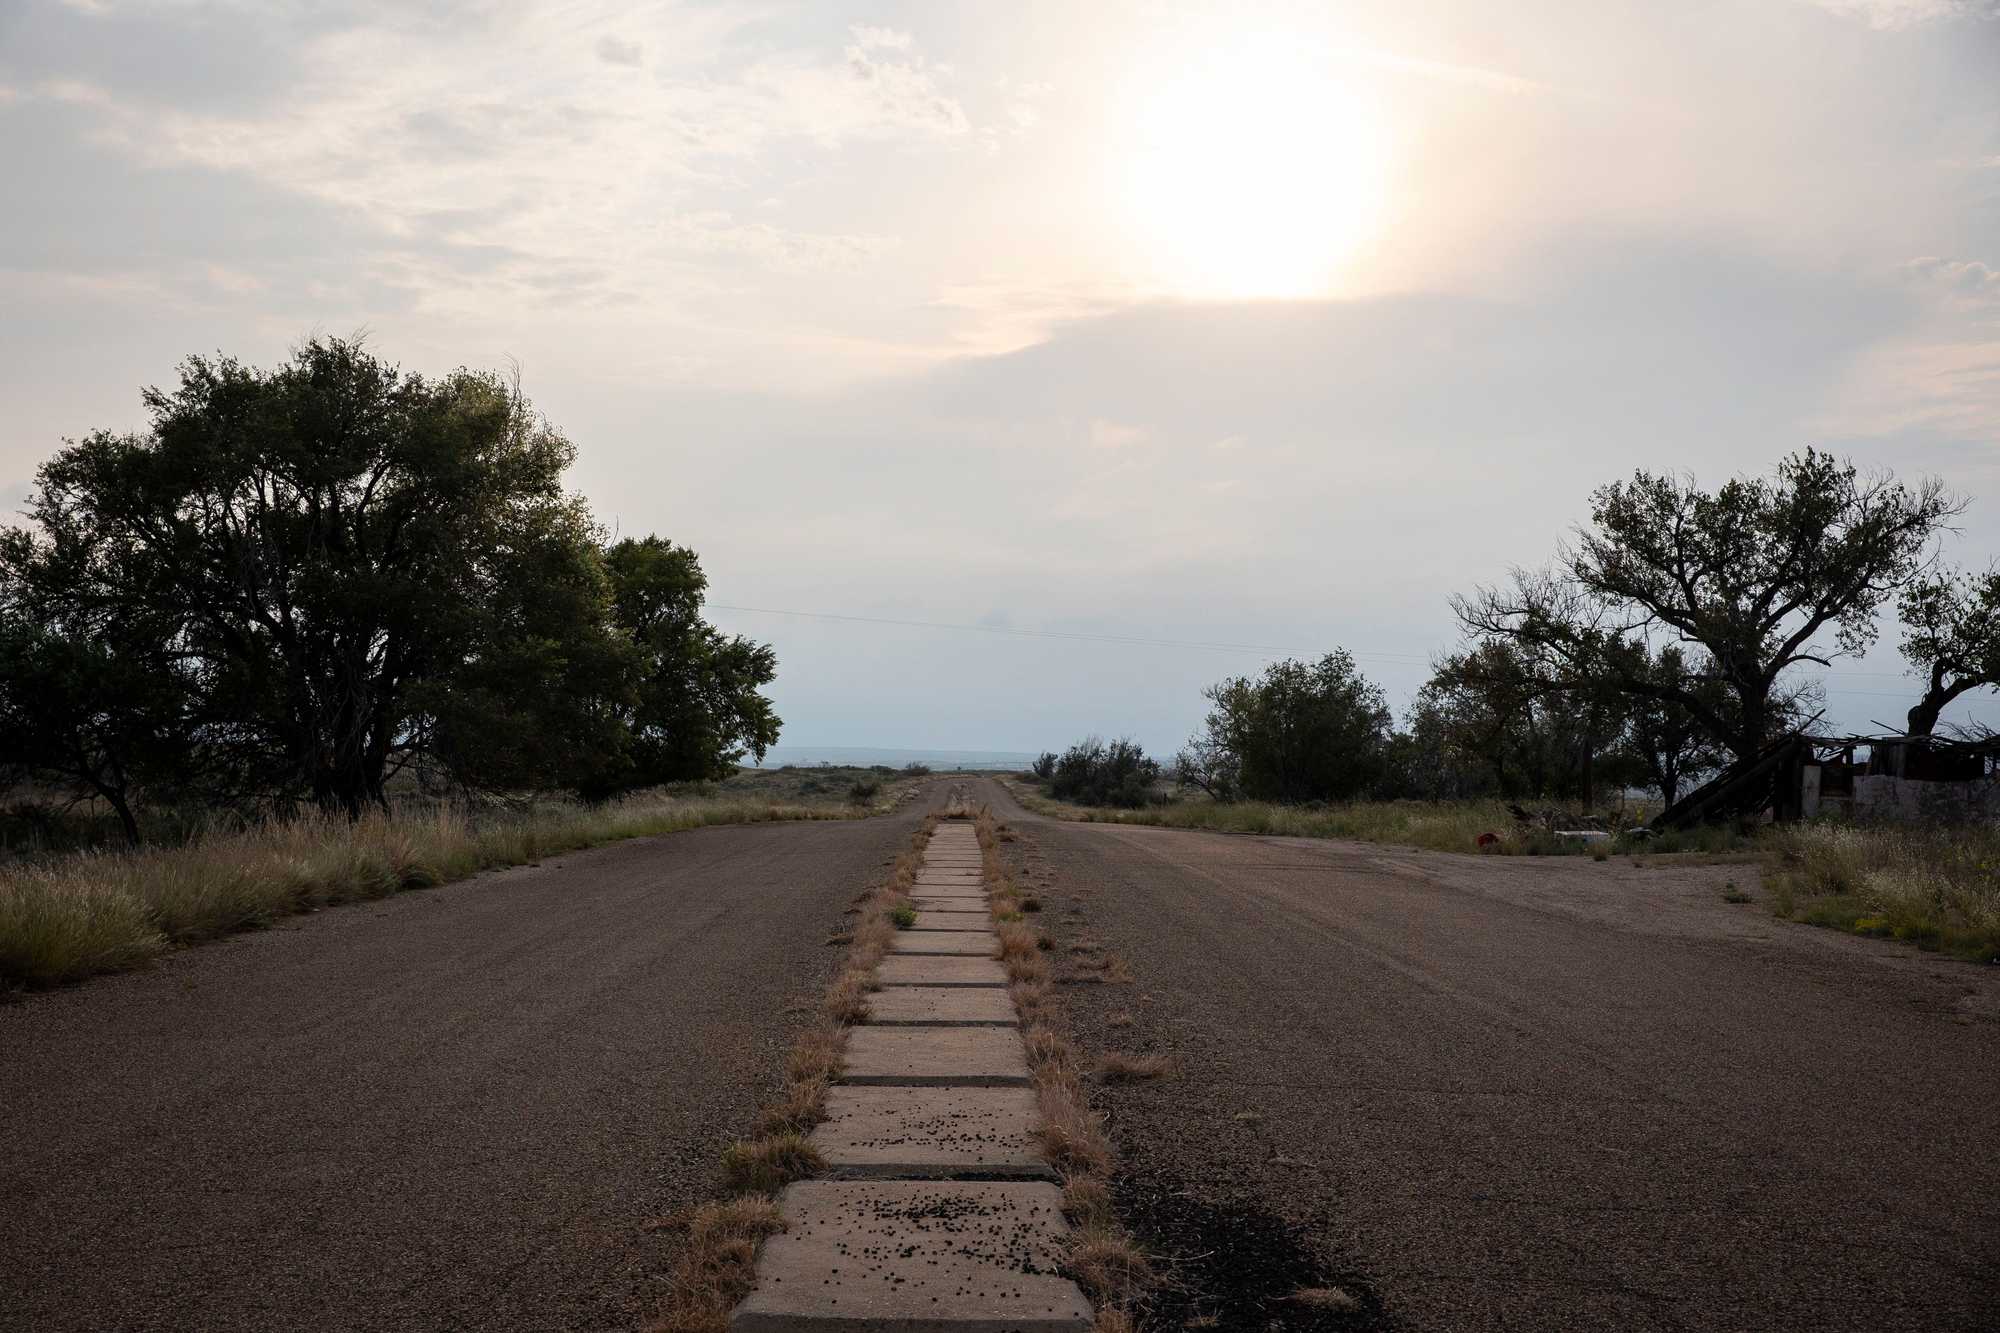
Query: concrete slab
966,903
930,1134
949,920
955,1057
939,970
941,1006
913,1256
972,943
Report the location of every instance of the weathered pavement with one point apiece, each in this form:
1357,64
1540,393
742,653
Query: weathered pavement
1538,1095
897,1241
449,1109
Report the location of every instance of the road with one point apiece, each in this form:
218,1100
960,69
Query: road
458,1108
1495,1093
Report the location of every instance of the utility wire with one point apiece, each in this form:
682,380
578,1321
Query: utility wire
1080,637
1056,634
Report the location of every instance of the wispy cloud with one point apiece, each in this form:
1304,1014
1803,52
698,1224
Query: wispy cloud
1890,14
536,137
1471,76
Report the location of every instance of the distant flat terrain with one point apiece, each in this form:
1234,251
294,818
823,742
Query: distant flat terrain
456,1108
1539,1094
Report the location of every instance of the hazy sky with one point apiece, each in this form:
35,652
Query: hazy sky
1262,325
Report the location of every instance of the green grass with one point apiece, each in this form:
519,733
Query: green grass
69,917
1935,887
1444,826
903,916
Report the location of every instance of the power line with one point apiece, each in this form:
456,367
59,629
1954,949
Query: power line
1137,641
1056,634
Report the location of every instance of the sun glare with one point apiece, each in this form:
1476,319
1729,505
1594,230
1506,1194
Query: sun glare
1256,170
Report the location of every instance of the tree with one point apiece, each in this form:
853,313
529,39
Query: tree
352,567
1302,732
1751,575
1951,633
1663,735
96,710
1206,763
1533,731
696,709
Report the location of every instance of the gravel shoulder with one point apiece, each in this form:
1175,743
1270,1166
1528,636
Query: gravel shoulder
454,1108
1488,1093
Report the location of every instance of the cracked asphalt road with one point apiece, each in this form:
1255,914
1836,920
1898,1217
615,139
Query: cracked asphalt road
1505,1093
449,1109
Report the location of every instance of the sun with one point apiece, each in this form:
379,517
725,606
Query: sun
1254,170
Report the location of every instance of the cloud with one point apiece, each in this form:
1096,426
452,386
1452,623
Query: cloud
1892,14
614,50
1969,278
403,121
1114,435
1489,80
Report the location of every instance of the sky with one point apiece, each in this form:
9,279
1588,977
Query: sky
1149,341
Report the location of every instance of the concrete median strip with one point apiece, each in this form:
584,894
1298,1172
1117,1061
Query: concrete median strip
967,943
941,1006
936,1057
939,970
948,919
916,1255
940,1215
930,1133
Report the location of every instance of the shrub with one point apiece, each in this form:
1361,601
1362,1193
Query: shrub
1094,773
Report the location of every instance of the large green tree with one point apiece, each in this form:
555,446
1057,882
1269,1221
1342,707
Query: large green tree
696,706
353,568
1756,578
1303,731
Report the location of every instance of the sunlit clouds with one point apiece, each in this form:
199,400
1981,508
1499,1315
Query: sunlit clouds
1144,316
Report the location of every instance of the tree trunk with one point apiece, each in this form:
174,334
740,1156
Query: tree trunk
1923,718
124,809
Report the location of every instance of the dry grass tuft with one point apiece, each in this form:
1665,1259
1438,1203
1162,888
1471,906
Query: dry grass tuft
1120,1067
1324,1298
1122,1019
1087,1201
1112,1320
1106,1264
768,1164
718,1266
817,1055
847,998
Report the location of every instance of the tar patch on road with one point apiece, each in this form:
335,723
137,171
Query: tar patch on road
1229,1266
